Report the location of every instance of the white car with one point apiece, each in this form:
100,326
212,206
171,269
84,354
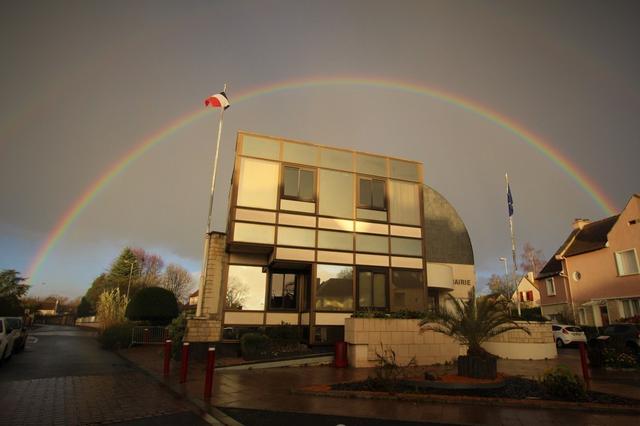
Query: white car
8,336
565,334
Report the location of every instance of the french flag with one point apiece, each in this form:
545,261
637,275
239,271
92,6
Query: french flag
217,101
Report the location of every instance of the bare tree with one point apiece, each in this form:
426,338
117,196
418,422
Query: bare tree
177,280
531,259
498,285
150,268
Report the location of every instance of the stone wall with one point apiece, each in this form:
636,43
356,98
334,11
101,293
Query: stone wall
208,327
367,337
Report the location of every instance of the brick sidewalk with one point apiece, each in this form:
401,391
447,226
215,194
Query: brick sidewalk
76,400
270,389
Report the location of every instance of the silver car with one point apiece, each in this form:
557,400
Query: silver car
8,336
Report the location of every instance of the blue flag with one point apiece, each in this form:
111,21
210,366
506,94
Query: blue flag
509,200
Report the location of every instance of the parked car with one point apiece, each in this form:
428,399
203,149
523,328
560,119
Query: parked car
18,325
622,336
565,334
8,336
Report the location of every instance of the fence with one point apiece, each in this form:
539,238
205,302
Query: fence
149,335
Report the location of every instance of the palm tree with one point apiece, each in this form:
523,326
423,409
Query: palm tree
472,322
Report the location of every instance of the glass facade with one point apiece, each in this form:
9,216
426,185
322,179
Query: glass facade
315,223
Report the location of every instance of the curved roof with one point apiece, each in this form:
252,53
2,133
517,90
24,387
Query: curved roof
446,237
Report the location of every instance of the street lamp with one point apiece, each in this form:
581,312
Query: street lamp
130,262
506,271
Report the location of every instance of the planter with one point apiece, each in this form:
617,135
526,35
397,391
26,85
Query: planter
479,367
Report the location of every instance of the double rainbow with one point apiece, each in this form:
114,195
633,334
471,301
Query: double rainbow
471,106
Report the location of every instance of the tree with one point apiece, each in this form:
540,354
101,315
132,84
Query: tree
84,308
121,268
153,304
498,285
99,285
531,259
12,288
177,280
150,268
472,322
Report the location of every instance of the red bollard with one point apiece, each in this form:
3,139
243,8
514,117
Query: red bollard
185,362
208,379
584,362
167,357
340,357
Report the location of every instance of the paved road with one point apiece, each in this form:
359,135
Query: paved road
63,377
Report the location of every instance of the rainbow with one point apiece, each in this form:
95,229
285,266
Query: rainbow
471,106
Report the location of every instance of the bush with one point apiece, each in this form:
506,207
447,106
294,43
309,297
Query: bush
284,332
529,314
154,304
254,346
116,336
618,359
563,384
403,314
177,330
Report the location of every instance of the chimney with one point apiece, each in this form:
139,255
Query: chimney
580,223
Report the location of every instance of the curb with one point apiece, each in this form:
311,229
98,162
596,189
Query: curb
210,413
448,399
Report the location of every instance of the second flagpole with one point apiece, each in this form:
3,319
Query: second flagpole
207,237
513,250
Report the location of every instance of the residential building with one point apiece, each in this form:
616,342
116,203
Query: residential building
594,276
193,298
315,233
48,307
527,292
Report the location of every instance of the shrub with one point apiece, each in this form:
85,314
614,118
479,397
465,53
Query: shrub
403,314
111,307
254,345
563,384
177,330
618,359
284,332
595,353
529,314
154,304
388,372
116,336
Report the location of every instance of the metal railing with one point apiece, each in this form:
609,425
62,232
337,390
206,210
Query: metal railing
149,335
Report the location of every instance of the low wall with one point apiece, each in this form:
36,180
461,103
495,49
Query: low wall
516,344
367,337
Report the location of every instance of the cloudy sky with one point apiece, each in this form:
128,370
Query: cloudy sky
83,82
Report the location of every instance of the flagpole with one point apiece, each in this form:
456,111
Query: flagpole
513,250
207,238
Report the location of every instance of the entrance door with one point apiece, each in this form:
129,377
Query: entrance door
288,291
604,314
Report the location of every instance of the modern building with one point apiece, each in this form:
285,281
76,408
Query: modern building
594,276
315,233
527,292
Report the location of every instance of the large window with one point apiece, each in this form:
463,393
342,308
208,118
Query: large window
283,292
371,193
372,243
332,240
298,183
335,191
406,246
258,184
551,288
246,287
299,237
372,289
627,262
335,288
407,290
404,203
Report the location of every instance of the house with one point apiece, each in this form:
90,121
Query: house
315,233
48,307
527,292
594,276
193,298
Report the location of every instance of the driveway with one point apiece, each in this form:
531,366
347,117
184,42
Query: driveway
64,377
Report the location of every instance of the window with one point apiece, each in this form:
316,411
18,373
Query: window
530,296
298,183
372,289
404,203
335,192
406,246
577,275
245,288
551,288
299,237
283,293
335,240
371,193
258,184
627,262
630,307
335,288
372,243
521,296
406,290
